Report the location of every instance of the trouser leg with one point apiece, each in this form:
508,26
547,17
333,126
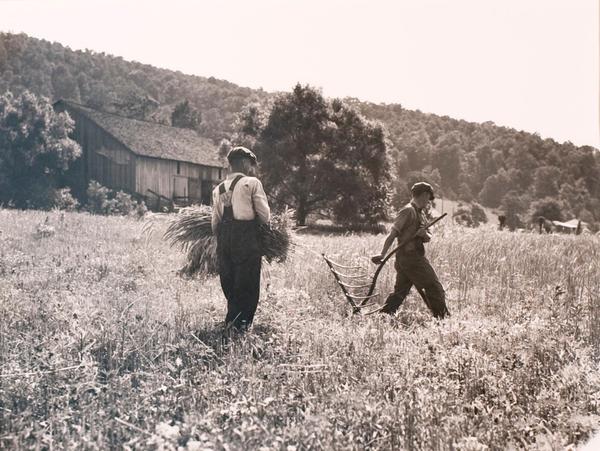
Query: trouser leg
423,276
401,289
247,290
240,272
227,275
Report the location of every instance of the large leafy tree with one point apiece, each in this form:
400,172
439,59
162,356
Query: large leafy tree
35,150
64,85
494,189
575,197
417,148
361,175
185,115
547,208
514,206
293,151
447,154
546,181
317,154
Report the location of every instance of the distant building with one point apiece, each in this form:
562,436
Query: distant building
573,226
156,162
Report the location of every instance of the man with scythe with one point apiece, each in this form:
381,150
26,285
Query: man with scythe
412,267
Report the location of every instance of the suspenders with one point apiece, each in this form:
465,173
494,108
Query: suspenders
419,217
222,189
228,209
418,241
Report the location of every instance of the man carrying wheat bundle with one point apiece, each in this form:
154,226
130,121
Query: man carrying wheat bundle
239,205
412,267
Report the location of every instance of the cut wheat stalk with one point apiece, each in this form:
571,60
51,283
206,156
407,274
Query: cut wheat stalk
191,231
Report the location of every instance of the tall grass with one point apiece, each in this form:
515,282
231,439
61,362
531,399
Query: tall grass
103,346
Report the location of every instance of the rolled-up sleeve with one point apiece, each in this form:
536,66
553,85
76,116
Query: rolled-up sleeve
261,204
401,220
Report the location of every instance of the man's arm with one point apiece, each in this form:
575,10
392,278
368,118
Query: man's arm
216,214
396,229
386,245
261,204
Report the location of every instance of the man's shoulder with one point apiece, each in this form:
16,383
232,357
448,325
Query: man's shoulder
251,181
407,209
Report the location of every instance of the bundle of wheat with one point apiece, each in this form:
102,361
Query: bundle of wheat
191,231
202,258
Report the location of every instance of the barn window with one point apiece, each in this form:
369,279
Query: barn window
178,168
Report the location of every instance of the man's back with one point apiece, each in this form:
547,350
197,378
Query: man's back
248,200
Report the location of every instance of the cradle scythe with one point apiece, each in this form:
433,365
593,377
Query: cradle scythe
358,302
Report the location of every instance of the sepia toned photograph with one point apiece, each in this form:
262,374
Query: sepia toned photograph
300,225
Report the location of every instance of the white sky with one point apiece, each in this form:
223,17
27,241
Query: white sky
528,64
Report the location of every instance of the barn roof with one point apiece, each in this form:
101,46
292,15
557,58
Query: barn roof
150,139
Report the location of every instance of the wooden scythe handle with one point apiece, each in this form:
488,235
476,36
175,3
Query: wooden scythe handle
392,252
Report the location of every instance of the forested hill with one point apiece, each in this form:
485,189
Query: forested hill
497,166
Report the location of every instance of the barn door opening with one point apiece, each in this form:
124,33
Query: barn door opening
194,190
207,187
180,188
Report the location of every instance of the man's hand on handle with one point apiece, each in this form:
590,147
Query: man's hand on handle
424,234
377,259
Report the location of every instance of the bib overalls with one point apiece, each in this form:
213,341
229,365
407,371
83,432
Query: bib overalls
239,262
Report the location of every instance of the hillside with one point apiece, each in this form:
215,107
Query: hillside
497,166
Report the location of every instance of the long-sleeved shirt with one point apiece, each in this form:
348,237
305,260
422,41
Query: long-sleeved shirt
410,218
248,199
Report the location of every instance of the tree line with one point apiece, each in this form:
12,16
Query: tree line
519,173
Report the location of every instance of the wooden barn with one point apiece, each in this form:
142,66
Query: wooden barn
156,162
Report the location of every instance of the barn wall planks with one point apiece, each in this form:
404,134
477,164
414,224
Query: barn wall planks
159,175
156,175
112,164
106,160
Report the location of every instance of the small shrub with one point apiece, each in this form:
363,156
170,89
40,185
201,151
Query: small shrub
470,215
514,221
64,200
124,204
97,197
478,214
110,207
103,201
141,209
462,215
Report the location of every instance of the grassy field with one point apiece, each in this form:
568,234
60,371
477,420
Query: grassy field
103,346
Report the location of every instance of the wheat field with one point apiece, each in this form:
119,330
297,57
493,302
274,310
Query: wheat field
103,346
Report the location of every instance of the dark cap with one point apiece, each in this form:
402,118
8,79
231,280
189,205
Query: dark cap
240,152
422,187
